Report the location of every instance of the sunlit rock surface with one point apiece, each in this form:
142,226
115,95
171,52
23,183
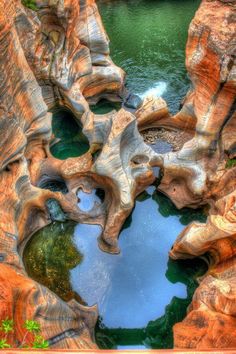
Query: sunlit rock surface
210,322
210,61
202,172
59,55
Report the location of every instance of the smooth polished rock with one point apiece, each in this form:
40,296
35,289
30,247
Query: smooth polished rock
59,55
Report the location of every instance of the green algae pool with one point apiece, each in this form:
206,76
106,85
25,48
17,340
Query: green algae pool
148,39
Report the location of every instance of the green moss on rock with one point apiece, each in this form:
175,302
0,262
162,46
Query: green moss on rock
230,163
31,4
47,262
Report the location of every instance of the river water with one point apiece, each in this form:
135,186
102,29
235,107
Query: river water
148,39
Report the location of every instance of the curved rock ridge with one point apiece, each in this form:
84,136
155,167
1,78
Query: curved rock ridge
56,55
210,61
59,55
67,49
203,172
210,322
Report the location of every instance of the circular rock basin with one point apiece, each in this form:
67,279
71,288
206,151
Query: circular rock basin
72,142
104,107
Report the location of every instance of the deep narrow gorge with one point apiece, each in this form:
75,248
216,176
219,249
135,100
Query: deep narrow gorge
104,177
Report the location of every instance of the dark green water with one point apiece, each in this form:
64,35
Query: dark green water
104,106
148,39
72,142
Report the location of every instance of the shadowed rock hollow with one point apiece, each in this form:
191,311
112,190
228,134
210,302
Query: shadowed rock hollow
58,55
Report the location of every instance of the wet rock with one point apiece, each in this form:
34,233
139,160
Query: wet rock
55,211
133,101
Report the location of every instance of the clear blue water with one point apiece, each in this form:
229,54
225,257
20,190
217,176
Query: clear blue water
134,290
131,288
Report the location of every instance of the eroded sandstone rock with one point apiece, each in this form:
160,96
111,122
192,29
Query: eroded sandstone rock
47,57
59,55
210,61
197,175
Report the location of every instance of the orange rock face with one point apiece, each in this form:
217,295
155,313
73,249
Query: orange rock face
47,57
59,55
211,322
210,61
197,175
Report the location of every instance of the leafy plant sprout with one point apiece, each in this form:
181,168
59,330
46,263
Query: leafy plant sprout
7,327
32,327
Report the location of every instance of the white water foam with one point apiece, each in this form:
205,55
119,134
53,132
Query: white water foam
157,90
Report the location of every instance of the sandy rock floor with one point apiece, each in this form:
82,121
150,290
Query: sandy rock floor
174,137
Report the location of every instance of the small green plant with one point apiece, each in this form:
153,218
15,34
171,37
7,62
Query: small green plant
32,327
7,327
4,344
230,163
40,343
31,4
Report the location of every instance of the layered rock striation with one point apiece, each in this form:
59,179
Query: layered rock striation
203,172
58,55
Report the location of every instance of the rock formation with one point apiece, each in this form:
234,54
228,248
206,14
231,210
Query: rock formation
58,55
198,175
210,61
